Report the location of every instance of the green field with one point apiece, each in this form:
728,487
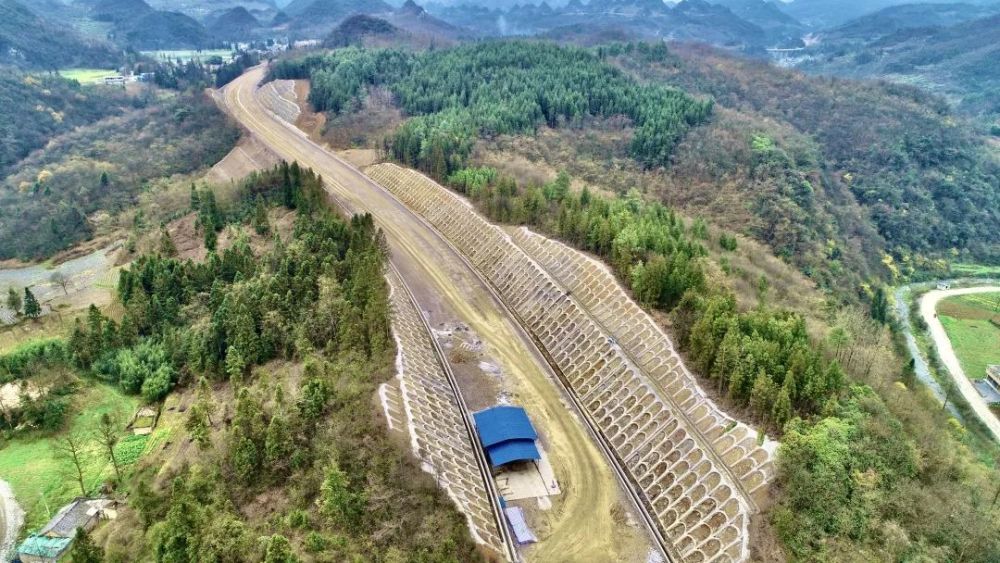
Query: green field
975,270
189,54
42,481
976,340
87,75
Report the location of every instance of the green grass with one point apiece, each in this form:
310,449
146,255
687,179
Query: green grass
975,270
42,481
975,339
189,54
87,75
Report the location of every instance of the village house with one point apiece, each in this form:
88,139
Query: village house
53,541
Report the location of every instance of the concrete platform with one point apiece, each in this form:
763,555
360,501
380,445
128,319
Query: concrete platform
528,480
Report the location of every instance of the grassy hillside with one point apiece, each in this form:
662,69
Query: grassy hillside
29,41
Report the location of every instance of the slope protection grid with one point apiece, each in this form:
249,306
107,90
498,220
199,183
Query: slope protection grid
438,435
597,290
666,442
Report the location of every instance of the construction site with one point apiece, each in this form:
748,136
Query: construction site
625,457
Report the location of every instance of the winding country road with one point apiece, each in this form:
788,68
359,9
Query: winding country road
928,309
11,519
581,525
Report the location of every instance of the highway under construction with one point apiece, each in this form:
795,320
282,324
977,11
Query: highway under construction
625,424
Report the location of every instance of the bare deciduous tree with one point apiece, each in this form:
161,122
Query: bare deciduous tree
72,448
107,437
59,278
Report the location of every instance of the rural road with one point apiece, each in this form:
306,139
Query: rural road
11,518
928,308
581,524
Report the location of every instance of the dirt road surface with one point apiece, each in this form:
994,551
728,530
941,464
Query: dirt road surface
11,519
928,310
582,524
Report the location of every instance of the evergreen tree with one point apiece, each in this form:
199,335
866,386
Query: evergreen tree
84,550
32,309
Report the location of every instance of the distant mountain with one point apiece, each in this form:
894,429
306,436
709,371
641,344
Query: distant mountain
163,30
28,40
824,14
907,16
233,24
766,15
959,61
358,30
688,20
117,11
316,18
207,10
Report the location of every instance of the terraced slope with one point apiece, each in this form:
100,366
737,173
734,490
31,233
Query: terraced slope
434,419
598,291
668,436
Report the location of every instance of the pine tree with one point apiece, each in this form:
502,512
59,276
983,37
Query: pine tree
32,309
277,444
167,247
84,550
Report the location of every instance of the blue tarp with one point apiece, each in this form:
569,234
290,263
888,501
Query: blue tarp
507,435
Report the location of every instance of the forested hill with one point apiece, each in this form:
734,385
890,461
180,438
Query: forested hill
29,41
927,182
37,107
497,88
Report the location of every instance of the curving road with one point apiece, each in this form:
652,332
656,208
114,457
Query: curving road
581,525
928,310
11,518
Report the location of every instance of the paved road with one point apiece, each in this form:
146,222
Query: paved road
581,525
928,308
11,519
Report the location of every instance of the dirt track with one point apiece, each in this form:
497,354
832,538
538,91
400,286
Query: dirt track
580,526
928,308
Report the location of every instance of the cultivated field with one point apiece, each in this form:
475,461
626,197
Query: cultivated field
187,55
973,326
87,75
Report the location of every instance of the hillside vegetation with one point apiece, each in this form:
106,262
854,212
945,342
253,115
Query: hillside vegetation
298,338
922,177
39,107
104,166
871,468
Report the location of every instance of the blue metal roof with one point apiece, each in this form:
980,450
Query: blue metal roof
512,450
507,435
502,423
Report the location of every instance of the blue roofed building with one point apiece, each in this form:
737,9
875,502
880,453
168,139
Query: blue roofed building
507,435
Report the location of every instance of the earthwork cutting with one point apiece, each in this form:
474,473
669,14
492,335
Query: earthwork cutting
643,458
